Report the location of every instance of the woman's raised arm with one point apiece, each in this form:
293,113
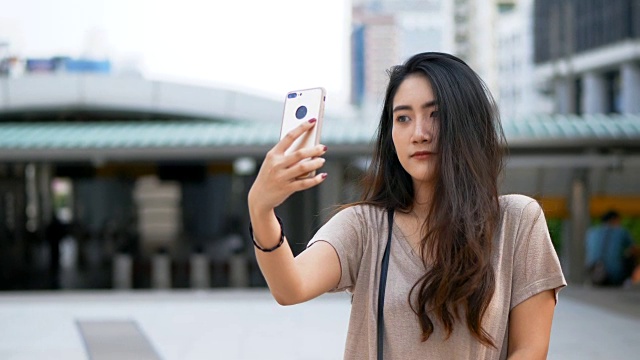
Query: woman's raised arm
317,269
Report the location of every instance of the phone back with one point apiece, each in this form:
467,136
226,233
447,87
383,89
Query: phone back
301,106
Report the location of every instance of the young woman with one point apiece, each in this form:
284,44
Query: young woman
471,274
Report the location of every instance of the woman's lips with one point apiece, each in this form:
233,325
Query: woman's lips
421,155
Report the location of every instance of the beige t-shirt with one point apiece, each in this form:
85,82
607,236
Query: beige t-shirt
524,260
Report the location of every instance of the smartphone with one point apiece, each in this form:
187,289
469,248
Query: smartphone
301,106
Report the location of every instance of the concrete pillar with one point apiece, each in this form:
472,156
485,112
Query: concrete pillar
630,79
330,191
45,177
574,247
161,271
32,200
199,271
122,271
594,94
238,271
565,94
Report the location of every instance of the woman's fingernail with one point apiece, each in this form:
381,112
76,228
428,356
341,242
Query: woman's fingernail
324,175
312,121
324,148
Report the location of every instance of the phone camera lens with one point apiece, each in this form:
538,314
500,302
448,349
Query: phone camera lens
301,112
292,95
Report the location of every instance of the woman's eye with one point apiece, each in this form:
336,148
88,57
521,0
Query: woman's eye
435,114
403,118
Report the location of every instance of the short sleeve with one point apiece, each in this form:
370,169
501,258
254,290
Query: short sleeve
344,232
536,267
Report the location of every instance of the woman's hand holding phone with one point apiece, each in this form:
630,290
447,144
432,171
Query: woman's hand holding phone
283,174
290,166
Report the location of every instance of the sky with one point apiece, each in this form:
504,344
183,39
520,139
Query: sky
264,47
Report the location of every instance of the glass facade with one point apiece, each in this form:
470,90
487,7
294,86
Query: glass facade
565,27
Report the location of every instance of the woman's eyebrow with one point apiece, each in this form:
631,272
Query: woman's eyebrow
429,104
408,107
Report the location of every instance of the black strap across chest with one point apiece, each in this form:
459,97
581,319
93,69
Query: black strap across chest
383,285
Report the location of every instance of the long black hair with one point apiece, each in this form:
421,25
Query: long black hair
464,213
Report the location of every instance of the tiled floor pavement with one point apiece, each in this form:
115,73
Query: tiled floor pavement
226,324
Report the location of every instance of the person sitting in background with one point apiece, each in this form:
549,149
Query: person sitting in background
612,244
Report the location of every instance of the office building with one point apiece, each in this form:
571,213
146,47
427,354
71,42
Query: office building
587,56
387,32
518,95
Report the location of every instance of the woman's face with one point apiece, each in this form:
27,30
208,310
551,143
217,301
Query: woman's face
415,128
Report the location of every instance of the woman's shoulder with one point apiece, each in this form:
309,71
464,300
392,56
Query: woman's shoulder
351,221
522,217
520,206
363,212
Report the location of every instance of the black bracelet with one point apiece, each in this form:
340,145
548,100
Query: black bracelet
273,248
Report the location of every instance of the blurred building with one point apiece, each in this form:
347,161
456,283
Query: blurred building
586,55
126,164
154,171
587,59
476,33
160,171
518,95
387,32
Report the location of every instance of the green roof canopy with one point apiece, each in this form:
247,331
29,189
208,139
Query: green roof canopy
200,139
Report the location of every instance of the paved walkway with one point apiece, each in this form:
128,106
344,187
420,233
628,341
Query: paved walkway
594,324
248,324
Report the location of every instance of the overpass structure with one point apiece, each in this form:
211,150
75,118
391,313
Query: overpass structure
153,166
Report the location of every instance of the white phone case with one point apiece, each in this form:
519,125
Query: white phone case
301,106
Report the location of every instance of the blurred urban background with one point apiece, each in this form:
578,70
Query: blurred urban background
116,172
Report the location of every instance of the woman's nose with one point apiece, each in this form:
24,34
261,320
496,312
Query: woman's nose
422,131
